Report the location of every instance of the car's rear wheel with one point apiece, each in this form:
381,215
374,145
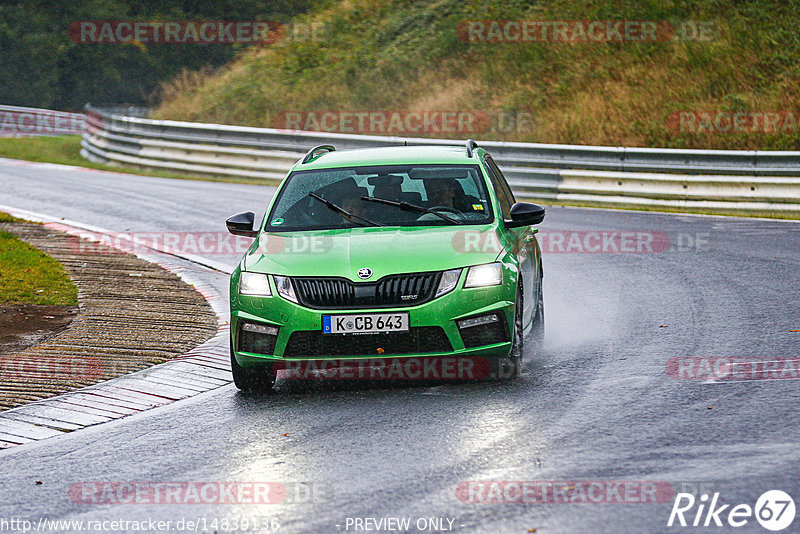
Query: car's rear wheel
252,379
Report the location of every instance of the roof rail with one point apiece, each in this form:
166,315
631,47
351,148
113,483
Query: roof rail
310,153
471,145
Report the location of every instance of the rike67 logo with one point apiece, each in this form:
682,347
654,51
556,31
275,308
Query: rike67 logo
774,510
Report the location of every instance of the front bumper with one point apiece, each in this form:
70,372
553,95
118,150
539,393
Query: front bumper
434,330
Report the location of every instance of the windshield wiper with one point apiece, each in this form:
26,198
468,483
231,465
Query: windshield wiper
341,211
405,206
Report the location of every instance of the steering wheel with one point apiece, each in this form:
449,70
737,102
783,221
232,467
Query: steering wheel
446,209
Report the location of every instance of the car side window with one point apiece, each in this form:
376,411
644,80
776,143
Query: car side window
497,184
503,183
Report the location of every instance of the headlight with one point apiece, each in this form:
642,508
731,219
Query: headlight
490,274
254,284
284,286
448,282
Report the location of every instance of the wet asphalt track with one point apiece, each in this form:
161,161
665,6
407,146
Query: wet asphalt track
595,404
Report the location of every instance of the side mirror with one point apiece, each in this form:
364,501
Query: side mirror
242,224
525,214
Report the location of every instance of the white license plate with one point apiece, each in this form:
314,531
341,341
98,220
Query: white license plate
369,323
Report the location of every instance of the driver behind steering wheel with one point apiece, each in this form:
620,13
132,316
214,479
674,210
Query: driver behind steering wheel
441,192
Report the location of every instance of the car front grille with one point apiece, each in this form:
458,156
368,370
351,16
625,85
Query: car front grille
418,340
395,290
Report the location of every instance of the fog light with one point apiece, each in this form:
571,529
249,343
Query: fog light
260,329
257,338
483,330
477,321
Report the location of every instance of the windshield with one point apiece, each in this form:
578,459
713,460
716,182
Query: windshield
456,193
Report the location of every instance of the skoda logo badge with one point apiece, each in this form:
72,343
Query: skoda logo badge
364,273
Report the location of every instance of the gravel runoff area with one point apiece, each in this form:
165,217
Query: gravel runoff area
132,314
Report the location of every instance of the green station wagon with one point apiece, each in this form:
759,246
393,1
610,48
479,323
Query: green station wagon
411,254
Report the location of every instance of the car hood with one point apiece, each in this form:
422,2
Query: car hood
385,251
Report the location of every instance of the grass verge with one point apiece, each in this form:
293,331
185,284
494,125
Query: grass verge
6,218
29,276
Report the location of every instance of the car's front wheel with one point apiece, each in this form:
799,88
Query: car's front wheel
511,366
517,339
252,379
537,333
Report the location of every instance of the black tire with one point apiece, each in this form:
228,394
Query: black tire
537,332
511,366
252,379
517,338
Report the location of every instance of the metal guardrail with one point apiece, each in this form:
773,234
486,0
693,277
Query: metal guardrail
126,110
725,181
16,121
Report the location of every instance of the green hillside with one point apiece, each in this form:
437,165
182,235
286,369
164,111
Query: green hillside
739,71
